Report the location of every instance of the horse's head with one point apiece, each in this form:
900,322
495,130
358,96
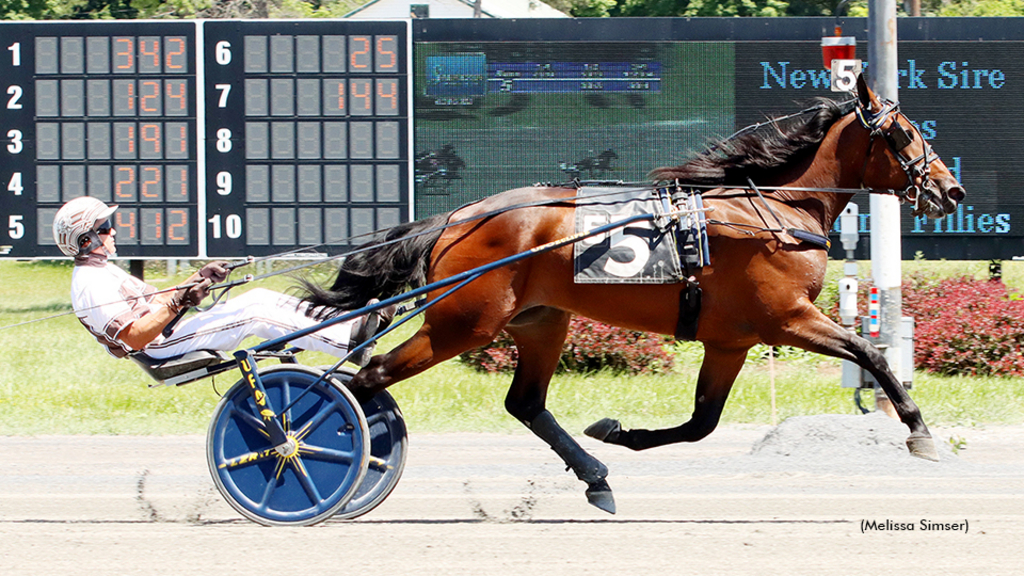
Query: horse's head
907,162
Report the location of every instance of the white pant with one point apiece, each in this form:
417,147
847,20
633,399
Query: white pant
259,312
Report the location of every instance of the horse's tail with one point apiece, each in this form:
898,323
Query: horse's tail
381,268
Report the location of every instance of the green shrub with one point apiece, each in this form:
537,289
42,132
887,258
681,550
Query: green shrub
962,326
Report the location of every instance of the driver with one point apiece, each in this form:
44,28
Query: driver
127,315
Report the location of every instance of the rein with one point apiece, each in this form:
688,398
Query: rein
896,137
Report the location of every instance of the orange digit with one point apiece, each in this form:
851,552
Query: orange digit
151,181
131,139
154,52
184,182
131,96
125,177
154,87
183,139
365,95
381,51
391,96
341,95
151,133
128,53
364,52
181,223
180,96
124,220
179,52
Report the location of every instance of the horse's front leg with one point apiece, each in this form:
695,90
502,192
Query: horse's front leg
717,374
815,332
539,334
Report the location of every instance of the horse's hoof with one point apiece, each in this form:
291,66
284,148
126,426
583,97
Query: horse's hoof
605,430
923,447
600,494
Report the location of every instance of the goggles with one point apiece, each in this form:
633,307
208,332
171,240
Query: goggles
104,227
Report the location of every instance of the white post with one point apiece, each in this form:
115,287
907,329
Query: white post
886,243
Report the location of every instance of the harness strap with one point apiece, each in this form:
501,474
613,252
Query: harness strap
802,235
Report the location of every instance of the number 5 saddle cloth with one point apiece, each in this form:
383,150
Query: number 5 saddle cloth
664,250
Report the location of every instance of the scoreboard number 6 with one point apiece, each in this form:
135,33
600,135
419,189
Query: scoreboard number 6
222,52
844,75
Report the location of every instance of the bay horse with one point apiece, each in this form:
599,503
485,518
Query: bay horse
759,287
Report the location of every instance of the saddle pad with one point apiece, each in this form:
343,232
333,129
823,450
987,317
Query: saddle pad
634,254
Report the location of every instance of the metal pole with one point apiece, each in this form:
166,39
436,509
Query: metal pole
886,243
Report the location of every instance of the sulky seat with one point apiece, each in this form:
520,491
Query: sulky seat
180,369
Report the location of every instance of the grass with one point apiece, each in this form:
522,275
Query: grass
55,379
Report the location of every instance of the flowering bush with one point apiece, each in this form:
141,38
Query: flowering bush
590,346
962,325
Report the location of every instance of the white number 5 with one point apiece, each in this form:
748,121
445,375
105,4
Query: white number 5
17,229
844,75
641,253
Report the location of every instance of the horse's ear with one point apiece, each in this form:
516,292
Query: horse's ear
867,97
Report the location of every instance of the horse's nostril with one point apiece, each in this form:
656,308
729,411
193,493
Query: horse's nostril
957,193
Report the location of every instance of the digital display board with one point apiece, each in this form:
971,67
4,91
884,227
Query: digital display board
259,138
497,115
225,138
104,110
503,106
307,133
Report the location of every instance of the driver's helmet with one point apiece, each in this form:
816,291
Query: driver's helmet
79,219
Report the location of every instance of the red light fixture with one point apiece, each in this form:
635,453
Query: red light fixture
838,47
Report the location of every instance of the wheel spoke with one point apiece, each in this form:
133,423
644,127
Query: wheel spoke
375,418
306,481
327,454
271,485
378,464
247,459
286,400
249,419
315,422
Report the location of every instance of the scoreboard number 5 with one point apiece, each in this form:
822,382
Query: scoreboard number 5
844,75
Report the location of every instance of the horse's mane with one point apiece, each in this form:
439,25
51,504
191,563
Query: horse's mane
759,148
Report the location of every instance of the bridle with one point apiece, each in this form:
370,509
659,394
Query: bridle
898,139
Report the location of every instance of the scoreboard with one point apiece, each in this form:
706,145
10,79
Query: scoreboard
307,133
104,110
214,138
506,104
228,138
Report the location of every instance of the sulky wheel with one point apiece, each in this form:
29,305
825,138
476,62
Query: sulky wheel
388,449
316,476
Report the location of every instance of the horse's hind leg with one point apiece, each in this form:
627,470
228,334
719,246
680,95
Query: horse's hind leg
539,334
717,374
815,332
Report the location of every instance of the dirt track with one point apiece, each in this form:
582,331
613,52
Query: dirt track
493,504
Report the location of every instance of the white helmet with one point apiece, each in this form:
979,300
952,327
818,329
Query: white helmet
77,219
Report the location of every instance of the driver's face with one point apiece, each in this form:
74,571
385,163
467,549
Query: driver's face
108,241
